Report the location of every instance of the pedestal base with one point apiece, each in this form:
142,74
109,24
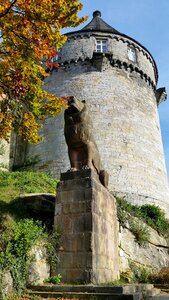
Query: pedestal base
86,213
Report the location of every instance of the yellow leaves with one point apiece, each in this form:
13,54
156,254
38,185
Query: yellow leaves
53,105
5,125
31,33
29,129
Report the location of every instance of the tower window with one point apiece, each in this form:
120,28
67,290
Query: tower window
132,54
101,46
55,59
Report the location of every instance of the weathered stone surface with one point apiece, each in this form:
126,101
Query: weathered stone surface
39,269
6,282
120,95
86,212
153,255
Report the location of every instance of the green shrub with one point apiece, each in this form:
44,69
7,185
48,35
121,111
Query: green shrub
18,232
15,247
124,208
140,232
155,218
53,248
140,274
54,279
12,297
152,215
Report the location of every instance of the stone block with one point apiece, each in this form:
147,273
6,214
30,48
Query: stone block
89,243
64,222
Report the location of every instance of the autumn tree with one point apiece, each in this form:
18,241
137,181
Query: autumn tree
30,32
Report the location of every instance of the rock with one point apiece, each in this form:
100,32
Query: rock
39,269
153,255
6,282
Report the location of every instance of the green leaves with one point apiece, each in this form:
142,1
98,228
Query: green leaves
15,249
152,215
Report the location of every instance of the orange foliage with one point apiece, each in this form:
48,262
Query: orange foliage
30,31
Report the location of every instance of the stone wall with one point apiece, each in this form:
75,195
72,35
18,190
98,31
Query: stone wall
83,45
121,97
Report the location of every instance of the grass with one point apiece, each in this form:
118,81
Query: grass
13,184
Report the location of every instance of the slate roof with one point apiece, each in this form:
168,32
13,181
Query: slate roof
97,24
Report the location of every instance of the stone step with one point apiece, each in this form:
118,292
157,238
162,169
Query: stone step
152,292
118,289
125,292
161,297
80,295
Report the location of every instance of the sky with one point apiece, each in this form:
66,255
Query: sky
147,21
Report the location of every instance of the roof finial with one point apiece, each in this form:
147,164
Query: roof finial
96,13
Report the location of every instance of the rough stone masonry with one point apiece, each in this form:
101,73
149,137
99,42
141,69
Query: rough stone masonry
117,78
86,213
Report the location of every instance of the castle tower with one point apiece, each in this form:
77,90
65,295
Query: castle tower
117,77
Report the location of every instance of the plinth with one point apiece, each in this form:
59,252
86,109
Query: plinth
86,213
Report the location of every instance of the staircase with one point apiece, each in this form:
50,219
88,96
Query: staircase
93,292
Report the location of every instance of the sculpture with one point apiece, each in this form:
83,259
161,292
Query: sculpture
82,149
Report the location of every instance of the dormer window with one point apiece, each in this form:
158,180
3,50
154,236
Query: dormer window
101,46
132,54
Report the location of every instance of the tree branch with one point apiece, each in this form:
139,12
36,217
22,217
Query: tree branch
8,9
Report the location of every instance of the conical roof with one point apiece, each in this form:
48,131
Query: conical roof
97,24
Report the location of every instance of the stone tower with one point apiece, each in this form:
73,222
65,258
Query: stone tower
117,77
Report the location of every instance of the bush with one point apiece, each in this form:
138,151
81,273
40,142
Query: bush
140,274
140,232
155,218
15,247
152,215
53,248
54,279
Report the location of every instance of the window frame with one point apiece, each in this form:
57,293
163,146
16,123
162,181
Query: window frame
131,54
102,43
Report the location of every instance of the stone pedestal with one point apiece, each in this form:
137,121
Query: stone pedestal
86,213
